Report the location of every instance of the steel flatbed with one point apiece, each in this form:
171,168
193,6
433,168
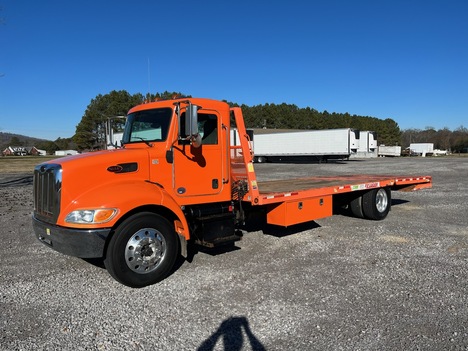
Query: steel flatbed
270,191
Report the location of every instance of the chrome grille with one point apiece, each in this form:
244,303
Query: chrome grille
47,188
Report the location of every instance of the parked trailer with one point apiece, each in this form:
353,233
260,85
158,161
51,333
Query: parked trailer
114,140
319,144
178,180
422,149
367,145
389,151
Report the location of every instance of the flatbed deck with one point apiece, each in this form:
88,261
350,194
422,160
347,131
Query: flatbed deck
288,185
275,190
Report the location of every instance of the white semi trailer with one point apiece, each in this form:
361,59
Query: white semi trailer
389,151
321,145
422,149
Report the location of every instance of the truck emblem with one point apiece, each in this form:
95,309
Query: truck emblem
115,169
123,167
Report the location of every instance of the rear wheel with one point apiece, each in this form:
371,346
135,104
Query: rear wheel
142,250
356,207
376,203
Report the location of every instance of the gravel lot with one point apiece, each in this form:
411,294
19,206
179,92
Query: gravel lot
339,283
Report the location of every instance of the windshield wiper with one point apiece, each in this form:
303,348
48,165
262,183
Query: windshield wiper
145,141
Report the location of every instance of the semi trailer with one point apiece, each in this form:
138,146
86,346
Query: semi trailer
320,145
389,151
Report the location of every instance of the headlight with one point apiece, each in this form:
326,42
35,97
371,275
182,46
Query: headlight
97,216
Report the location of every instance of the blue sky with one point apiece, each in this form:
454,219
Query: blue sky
400,59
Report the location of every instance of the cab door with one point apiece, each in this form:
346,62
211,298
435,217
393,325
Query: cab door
199,170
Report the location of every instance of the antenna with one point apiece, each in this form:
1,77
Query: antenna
149,79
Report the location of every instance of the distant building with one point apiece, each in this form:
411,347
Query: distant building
23,151
66,152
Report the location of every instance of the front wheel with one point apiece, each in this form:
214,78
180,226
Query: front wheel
142,250
376,203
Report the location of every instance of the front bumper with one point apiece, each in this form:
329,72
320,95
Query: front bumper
84,243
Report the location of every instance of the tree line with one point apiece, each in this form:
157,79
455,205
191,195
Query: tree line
454,141
288,116
91,130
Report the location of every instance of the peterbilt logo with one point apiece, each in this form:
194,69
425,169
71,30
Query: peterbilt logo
123,167
115,169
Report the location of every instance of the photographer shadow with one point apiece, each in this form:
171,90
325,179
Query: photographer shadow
232,332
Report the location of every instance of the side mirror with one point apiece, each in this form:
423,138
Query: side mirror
191,120
191,125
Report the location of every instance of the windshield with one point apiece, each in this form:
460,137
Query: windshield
147,125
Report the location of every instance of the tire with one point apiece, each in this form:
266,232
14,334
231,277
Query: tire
356,207
376,203
142,250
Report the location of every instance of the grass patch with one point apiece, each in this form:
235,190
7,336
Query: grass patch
21,164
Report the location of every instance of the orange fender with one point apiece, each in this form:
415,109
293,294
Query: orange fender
125,196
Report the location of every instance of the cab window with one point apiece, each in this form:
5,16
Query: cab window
148,125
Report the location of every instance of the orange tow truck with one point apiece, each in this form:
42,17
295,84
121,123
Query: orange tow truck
179,179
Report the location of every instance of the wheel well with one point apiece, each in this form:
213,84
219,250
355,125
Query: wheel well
159,210
344,199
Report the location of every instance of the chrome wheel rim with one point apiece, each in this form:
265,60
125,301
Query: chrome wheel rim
381,200
145,250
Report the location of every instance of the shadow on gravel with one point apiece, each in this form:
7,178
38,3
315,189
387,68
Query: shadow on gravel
17,182
257,222
194,249
396,202
97,262
232,332
280,232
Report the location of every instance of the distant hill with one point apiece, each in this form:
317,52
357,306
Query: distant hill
6,139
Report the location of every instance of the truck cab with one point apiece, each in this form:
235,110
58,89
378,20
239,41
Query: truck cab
172,168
